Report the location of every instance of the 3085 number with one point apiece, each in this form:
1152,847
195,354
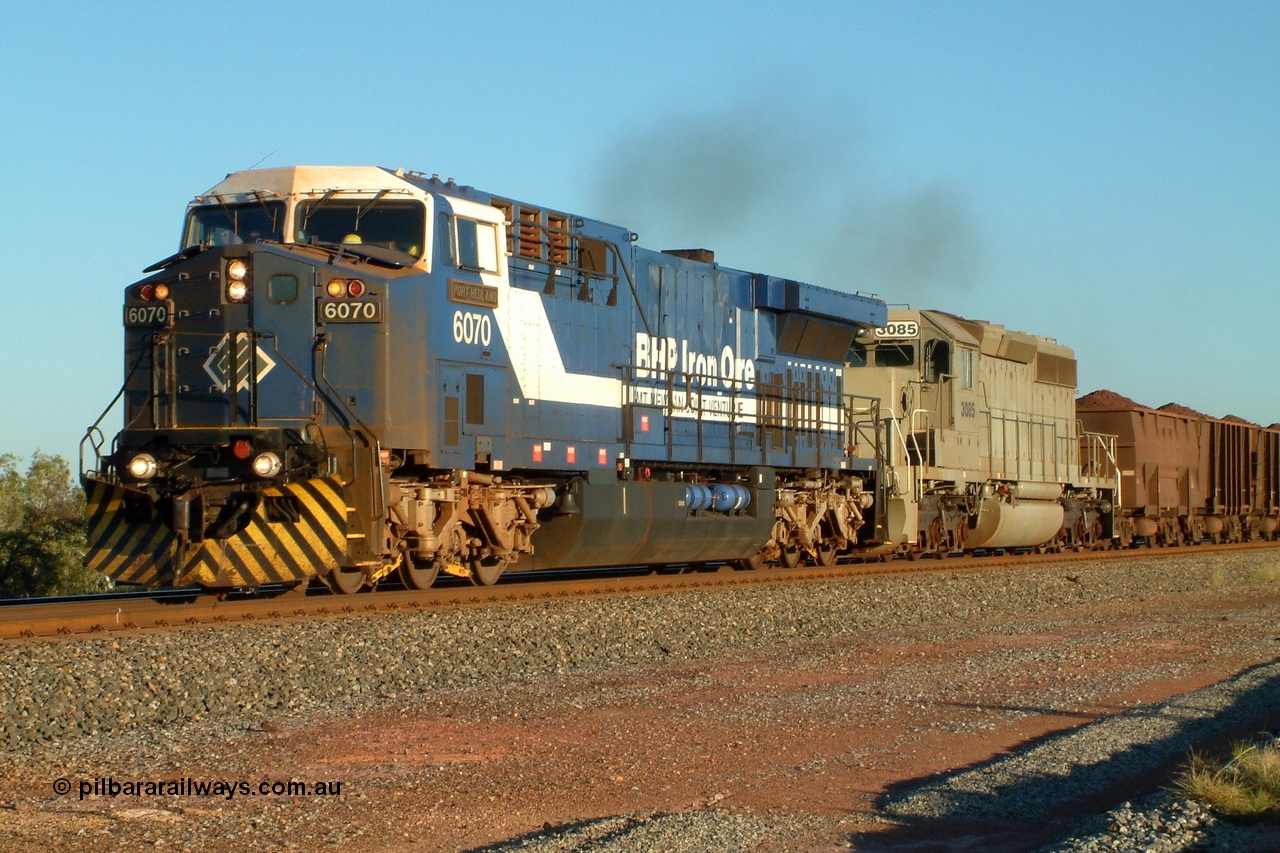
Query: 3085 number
899,329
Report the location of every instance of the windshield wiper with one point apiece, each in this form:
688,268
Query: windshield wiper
393,258
189,252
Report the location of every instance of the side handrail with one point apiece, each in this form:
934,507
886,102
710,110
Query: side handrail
635,295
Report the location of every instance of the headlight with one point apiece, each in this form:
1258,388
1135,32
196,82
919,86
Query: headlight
266,464
142,466
237,280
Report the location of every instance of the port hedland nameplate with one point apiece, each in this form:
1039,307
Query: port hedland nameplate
470,293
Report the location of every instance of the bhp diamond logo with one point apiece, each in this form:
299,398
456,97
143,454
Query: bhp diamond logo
248,355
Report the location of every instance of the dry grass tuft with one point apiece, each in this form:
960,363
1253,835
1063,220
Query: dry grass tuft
1269,572
1247,786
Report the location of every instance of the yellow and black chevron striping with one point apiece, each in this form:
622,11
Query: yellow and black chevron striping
308,536
126,551
277,551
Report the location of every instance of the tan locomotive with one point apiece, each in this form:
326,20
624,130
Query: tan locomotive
982,438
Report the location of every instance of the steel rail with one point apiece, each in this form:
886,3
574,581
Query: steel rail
183,609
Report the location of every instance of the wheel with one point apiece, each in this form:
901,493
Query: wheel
344,581
937,539
486,571
418,574
825,555
789,557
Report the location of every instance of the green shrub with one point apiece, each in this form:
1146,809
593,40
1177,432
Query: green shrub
42,530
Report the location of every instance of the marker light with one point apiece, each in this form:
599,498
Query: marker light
266,464
241,448
162,291
147,293
142,467
336,287
355,288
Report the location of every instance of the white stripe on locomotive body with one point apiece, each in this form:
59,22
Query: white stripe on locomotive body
535,355
526,332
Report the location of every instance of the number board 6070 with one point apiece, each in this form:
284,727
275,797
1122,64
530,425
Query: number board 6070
350,311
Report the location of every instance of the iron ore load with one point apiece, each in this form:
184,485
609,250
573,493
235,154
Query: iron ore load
351,373
1186,477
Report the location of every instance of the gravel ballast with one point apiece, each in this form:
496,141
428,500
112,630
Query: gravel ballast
78,697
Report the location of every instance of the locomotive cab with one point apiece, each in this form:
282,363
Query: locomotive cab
244,439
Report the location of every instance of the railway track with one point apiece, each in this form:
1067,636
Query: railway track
111,613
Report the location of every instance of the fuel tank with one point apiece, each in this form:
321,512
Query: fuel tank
1008,524
614,522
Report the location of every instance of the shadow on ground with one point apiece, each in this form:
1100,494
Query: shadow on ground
1042,791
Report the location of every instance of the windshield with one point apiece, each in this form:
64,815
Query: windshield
398,225
895,355
227,225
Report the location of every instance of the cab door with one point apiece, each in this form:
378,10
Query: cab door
474,412
937,391
285,327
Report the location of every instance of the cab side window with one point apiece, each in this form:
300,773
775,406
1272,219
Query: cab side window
890,354
966,368
937,360
475,244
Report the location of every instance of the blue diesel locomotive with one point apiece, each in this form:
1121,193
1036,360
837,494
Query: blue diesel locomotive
349,372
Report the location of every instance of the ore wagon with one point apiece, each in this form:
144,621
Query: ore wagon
1185,476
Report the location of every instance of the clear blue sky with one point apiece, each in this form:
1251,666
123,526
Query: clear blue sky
1107,174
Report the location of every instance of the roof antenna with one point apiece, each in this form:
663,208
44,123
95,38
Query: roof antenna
259,163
